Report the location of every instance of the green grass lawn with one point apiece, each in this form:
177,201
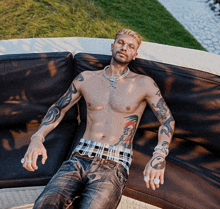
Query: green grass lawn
91,18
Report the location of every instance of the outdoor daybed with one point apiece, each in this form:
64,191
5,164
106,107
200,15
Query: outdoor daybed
34,73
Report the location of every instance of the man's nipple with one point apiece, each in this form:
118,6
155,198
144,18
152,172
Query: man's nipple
128,108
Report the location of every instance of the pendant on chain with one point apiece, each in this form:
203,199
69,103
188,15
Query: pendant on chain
112,84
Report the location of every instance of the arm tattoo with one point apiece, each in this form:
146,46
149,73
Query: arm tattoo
167,125
158,92
158,163
54,112
129,131
165,143
155,84
79,78
162,112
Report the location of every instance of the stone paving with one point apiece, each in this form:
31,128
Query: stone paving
197,17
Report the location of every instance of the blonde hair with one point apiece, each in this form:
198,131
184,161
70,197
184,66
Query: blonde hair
130,33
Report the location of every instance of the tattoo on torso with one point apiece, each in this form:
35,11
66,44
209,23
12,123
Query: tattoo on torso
129,130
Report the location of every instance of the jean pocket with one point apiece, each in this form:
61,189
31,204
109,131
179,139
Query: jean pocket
66,166
121,175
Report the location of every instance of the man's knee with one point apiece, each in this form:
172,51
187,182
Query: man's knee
52,200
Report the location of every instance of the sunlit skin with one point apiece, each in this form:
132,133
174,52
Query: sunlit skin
111,111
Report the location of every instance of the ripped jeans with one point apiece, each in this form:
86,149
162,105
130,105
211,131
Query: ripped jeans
98,182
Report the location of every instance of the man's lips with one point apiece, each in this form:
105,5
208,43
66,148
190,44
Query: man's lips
122,54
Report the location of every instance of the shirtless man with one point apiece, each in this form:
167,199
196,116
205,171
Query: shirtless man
99,166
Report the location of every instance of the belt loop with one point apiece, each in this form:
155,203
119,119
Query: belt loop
102,161
117,165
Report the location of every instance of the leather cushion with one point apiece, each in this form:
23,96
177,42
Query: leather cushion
30,84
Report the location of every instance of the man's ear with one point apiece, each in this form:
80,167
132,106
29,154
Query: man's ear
136,54
112,45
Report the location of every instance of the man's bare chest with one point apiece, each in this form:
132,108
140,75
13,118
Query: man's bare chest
126,97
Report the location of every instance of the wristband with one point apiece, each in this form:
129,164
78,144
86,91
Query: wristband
159,152
40,135
162,148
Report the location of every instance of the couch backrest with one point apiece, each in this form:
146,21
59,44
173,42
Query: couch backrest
30,83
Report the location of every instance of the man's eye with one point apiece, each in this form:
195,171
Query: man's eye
131,46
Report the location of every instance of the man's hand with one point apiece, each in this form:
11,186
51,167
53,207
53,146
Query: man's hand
35,149
155,169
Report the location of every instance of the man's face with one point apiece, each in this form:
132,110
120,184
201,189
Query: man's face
124,49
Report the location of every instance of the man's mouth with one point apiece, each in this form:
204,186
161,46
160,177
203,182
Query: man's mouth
122,54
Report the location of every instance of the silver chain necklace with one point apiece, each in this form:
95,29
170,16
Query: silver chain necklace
113,79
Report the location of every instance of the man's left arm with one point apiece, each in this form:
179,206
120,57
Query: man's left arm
154,170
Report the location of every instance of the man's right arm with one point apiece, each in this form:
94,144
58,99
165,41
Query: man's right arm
53,117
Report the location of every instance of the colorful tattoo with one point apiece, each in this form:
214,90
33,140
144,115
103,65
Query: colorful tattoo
129,131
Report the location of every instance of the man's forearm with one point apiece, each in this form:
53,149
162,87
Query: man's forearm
56,112
165,133
53,117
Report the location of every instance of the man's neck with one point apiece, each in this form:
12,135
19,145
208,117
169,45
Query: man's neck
116,70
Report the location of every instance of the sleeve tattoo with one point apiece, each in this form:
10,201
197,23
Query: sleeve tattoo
161,112
168,129
54,112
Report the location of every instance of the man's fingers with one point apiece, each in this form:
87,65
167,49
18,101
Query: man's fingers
157,181
27,164
44,156
152,183
153,180
147,180
34,160
162,179
30,159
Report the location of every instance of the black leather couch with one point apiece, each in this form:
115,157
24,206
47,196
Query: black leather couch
30,83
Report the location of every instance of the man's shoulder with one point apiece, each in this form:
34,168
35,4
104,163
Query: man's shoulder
85,75
88,74
143,79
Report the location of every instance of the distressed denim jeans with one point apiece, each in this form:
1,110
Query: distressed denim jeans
98,182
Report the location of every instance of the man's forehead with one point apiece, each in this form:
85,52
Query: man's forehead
127,38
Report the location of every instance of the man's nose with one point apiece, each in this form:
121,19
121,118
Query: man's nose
124,47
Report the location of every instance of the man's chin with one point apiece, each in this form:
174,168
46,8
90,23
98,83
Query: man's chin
121,60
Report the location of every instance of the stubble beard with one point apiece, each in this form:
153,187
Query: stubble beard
116,60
